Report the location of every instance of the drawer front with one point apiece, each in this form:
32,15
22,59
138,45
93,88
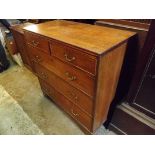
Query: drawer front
74,57
55,96
36,56
74,95
37,41
81,117
73,76
77,78
78,115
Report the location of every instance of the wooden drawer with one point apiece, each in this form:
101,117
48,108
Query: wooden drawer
37,41
76,77
73,76
36,56
81,117
73,94
55,96
74,57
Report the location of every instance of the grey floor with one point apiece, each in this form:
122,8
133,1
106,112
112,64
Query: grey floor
24,88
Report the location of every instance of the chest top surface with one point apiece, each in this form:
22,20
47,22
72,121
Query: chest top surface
19,28
97,39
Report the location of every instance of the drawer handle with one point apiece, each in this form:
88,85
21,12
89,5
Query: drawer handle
75,97
34,60
75,114
44,76
37,58
34,43
70,77
69,59
47,91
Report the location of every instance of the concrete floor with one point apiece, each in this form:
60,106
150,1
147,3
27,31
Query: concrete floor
24,87
13,120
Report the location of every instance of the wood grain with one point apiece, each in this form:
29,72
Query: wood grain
109,70
74,57
84,82
70,92
84,87
79,116
21,47
89,37
37,42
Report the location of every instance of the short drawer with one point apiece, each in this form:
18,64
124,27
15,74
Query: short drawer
36,55
74,56
37,41
81,117
73,94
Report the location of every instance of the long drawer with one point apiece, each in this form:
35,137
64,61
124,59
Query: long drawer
73,94
70,74
81,117
74,57
55,96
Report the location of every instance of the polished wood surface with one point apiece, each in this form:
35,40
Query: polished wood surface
92,38
110,65
133,51
74,57
82,118
129,26
19,28
55,95
130,23
70,92
75,70
37,42
21,48
74,76
18,35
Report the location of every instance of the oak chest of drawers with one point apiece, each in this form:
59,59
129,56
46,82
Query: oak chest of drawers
78,66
